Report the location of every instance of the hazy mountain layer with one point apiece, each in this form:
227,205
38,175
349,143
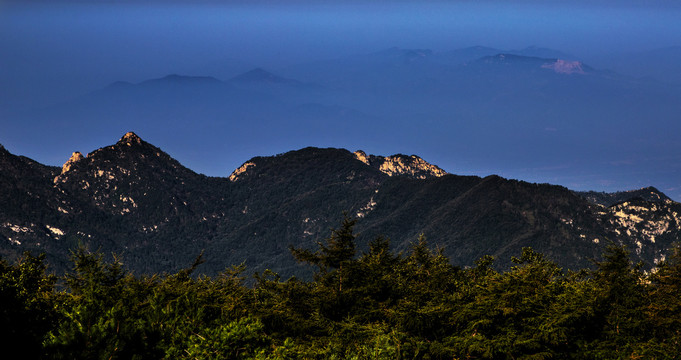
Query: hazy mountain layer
534,114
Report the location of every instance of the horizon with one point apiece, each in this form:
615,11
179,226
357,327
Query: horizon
226,176
73,49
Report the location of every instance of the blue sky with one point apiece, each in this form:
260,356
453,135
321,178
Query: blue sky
57,49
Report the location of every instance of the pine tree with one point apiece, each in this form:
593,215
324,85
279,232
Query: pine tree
664,309
620,302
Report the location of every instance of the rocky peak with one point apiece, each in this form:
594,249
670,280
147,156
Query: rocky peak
68,165
565,67
362,156
75,157
412,165
240,170
130,139
401,165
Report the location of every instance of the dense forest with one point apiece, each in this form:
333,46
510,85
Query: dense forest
377,304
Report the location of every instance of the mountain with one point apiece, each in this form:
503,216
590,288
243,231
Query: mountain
259,75
505,110
560,66
649,194
133,199
397,165
399,56
540,52
182,79
465,55
661,64
117,198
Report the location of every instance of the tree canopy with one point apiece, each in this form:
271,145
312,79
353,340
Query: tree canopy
374,304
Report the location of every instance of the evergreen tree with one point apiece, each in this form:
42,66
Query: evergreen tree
27,305
621,299
664,308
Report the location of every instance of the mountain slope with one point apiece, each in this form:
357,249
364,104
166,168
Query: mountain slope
133,199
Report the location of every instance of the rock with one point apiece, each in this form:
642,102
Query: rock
75,157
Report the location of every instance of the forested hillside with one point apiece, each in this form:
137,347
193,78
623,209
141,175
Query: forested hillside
133,199
373,304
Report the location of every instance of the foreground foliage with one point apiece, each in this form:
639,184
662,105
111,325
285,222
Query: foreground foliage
375,305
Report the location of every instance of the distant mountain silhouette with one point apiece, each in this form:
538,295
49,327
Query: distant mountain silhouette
546,53
501,111
259,75
560,66
181,79
662,64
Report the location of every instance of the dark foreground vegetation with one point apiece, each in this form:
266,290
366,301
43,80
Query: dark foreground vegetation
375,305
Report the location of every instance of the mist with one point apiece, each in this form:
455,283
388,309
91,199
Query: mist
57,60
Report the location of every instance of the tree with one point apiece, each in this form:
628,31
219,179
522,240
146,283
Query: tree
27,304
338,250
503,316
619,307
104,310
664,309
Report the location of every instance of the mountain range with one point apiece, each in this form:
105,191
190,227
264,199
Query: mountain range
135,200
535,114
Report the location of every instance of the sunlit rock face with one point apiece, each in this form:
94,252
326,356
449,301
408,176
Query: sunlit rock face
75,157
565,67
240,171
130,139
410,165
362,156
68,166
401,165
645,221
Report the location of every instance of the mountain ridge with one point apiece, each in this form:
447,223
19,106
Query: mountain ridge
134,199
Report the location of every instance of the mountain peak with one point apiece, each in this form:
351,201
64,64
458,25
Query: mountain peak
506,58
559,66
362,156
68,165
129,139
401,165
175,78
75,157
565,67
649,194
404,56
260,75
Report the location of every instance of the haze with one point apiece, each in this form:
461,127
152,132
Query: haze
57,57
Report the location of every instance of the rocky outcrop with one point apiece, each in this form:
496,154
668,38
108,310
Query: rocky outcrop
565,67
401,165
130,139
75,157
68,165
240,170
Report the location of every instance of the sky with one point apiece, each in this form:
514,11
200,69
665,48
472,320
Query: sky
55,50
52,52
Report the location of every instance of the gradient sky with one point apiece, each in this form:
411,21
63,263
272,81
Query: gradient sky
52,51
